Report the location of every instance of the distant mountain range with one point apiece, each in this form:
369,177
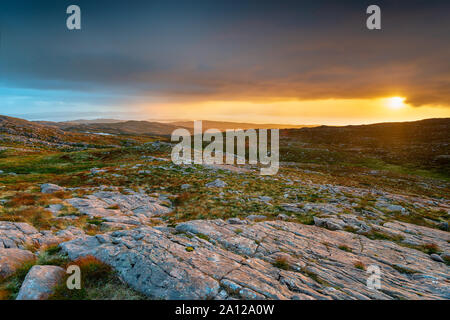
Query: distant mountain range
151,128
131,127
158,127
224,125
426,141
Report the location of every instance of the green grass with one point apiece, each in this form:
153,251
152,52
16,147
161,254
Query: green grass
404,270
430,248
281,263
378,235
52,256
203,236
10,286
345,248
315,277
95,221
98,282
404,169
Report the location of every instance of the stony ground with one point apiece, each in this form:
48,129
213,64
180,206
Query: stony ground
265,260
220,232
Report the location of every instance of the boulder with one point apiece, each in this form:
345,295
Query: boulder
50,188
216,184
12,259
40,282
329,223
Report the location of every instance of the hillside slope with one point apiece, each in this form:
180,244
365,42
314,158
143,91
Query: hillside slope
15,131
424,143
126,128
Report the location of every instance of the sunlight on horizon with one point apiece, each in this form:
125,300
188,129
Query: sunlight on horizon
395,103
330,111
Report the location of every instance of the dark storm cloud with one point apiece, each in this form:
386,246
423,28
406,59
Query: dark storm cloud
230,50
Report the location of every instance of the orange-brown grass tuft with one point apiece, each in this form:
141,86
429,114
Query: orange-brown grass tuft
281,263
62,194
359,265
4,294
22,199
38,217
431,248
92,268
182,198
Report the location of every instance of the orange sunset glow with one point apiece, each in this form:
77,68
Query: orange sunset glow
330,111
224,159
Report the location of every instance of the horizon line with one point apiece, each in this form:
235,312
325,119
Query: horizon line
168,120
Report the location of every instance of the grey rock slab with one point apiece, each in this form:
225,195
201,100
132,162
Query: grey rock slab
133,208
19,235
203,258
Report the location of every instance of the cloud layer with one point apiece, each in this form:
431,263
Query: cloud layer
251,51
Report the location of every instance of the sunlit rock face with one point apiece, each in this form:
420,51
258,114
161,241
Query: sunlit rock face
266,260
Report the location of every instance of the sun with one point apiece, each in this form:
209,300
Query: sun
395,103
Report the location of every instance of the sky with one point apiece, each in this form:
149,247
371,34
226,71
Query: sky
296,62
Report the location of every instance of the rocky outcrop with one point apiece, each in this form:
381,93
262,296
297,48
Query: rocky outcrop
266,260
12,259
120,210
40,282
21,235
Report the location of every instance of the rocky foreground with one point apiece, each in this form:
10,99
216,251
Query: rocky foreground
179,232
241,259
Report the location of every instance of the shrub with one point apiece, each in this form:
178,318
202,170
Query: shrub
182,198
22,199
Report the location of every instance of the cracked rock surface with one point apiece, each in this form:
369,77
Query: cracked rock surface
120,210
20,234
204,259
